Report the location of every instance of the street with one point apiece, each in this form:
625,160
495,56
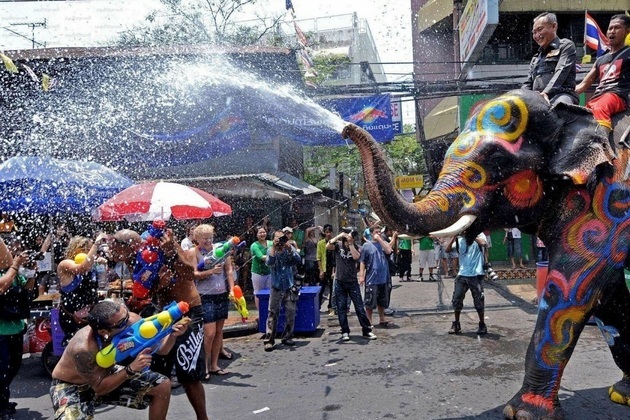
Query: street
414,370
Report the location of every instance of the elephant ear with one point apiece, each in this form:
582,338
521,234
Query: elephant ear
581,145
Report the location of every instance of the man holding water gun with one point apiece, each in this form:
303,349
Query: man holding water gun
177,283
79,384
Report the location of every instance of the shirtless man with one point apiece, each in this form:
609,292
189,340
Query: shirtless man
124,246
177,284
79,384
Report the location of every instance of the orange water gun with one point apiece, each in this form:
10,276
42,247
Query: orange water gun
239,303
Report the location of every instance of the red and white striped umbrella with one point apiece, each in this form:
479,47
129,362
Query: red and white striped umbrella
152,200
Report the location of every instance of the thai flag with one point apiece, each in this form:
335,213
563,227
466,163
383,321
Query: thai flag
594,38
289,5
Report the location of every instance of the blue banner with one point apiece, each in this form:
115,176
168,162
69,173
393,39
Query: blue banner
212,135
372,113
313,124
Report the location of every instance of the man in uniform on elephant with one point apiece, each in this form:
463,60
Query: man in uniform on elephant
613,72
552,69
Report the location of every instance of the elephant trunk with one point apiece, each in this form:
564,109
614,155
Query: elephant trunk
420,218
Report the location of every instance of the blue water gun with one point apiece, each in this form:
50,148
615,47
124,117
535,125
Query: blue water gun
149,261
145,333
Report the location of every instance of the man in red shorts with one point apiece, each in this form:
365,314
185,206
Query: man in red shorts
613,72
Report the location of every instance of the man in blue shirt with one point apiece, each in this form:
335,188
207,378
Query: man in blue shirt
281,258
374,271
470,276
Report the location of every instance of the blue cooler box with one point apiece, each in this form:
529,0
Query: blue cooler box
306,317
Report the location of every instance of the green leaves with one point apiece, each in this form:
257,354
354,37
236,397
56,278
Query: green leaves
407,158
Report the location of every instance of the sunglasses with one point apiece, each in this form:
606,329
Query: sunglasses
121,324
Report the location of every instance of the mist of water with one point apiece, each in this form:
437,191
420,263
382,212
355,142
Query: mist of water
144,113
197,75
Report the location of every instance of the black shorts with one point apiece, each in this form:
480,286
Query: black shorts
187,354
462,285
377,295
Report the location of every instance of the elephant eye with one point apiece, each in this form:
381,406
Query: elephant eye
499,164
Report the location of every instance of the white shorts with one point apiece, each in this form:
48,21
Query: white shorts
427,258
261,282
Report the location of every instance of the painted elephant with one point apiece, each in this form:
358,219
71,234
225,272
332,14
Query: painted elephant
549,171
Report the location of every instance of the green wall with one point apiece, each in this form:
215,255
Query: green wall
498,251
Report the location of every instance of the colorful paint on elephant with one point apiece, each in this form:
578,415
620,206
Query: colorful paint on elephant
524,189
505,118
501,122
590,243
552,171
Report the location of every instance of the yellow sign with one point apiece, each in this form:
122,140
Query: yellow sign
409,181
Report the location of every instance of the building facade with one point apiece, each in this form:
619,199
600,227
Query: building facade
503,62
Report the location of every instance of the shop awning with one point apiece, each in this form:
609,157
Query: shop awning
443,119
431,12
279,185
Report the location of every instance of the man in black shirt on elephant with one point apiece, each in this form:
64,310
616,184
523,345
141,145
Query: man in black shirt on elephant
552,69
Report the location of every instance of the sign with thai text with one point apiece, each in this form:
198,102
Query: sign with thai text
476,25
409,181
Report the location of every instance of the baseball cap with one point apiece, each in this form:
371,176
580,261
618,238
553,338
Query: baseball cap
287,229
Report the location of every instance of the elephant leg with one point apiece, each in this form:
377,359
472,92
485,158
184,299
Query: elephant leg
613,319
558,328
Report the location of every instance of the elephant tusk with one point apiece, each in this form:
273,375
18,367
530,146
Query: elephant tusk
456,228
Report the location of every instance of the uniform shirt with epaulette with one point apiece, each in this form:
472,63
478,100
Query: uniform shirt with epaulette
552,69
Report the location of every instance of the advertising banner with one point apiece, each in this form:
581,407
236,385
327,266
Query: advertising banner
372,113
320,124
397,124
476,25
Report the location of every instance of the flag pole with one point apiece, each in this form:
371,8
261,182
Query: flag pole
309,70
584,59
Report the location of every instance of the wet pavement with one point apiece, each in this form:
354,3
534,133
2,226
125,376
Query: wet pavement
414,370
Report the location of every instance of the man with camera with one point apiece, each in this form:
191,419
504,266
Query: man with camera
347,254
281,258
470,276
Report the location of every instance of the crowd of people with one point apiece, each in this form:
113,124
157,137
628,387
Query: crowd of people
70,270
352,268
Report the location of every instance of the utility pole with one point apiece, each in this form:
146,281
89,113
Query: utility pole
32,25
457,13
